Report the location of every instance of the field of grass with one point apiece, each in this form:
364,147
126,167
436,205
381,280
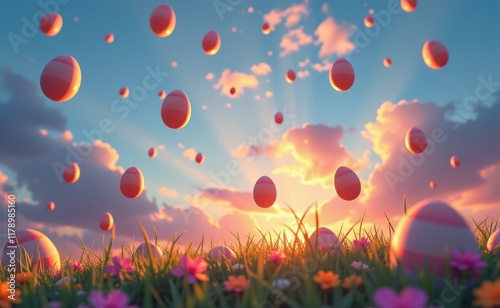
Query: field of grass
255,283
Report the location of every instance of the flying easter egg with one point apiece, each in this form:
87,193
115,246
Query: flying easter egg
264,192
176,110
106,221
162,20
61,78
211,43
51,24
71,173
415,140
347,184
341,75
435,54
132,183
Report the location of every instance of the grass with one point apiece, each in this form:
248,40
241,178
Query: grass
152,284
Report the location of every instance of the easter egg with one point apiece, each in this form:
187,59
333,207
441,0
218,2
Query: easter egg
109,38
408,5
124,91
432,185
221,253
266,28
435,54
232,91
264,192
176,110
341,75
106,222
162,20
142,251
387,62
429,233
152,152
211,43
346,183
162,94
324,240
51,24
290,76
132,183
36,246
454,161
71,173
368,21
415,140
61,78
199,158
278,118
493,241
51,206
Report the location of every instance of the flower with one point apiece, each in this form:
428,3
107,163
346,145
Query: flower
6,298
54,304
236,284
115,299
21,278
352,280
238,266
194,269
120,267
327,280
65,281
409,297
468,264
361,244
360,265
488,294
281,284
77,266
276,257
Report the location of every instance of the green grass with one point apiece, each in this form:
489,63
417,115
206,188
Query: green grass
152,284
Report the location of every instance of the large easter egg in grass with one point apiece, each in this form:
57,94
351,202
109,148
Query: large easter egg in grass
142,251
324,240
221,253
35,246
427,237
494,241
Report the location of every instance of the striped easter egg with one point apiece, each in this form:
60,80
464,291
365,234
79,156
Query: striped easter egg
342,75
106,221
40,249
415,140
61,78
132,183
264,192
176,110
220,253
325,240
347,184
71,173
142,251
494,241
429,234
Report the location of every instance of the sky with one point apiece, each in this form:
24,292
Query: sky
457,107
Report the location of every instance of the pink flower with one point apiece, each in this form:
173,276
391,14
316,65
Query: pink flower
77,266
193,269
360,265
410,297
115,299
361,244
276,257
120,267
467,265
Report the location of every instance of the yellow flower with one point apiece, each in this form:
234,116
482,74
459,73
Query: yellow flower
236,284
488,294
327,279
5,301
352,280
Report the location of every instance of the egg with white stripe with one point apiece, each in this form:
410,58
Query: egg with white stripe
494,241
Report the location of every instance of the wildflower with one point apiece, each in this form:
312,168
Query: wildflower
21,278
467,264
77,266
276,257
5,300
238,266
352,280
488,294
281,284
327,280
120,267
115,299
361,244
410,297
360,265
54,304
236,284
65,281
194,269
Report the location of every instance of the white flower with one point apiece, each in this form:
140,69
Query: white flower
281,284
238,266
360,265
65,280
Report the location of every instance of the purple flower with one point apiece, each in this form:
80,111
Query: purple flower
120,267
115,299
467,264
408,298
193,269
361,244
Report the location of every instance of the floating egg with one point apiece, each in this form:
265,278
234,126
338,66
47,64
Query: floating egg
290,76
387,62
264,192
266,28
142,251
199,158
211,43
368,21
124,91
347,184
324,240
432,185
454,161
61,78
71,173
109,38
152,152
222,253
278,118
162,94
341,75
106,221
232,91
435,54
494,241
51,24
34,246
132,183
416,141
51,206
408,5
176,110
162,20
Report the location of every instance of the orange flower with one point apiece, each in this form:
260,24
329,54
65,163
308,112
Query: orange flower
5,300
236,284
327,280
23,277
488,294
352,280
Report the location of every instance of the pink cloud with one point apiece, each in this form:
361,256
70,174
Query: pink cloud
209,76
269,94
190,153
304,63
292,41
234,199
324,8
323,66
167,192
292,15
261,69
238,80
303,74
334,38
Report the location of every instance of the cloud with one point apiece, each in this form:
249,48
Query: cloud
303,74
190,153
323,66
238,80
324,8
269,94
292,15
167,192
261,69
292,41
209,76
304,63
334,37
